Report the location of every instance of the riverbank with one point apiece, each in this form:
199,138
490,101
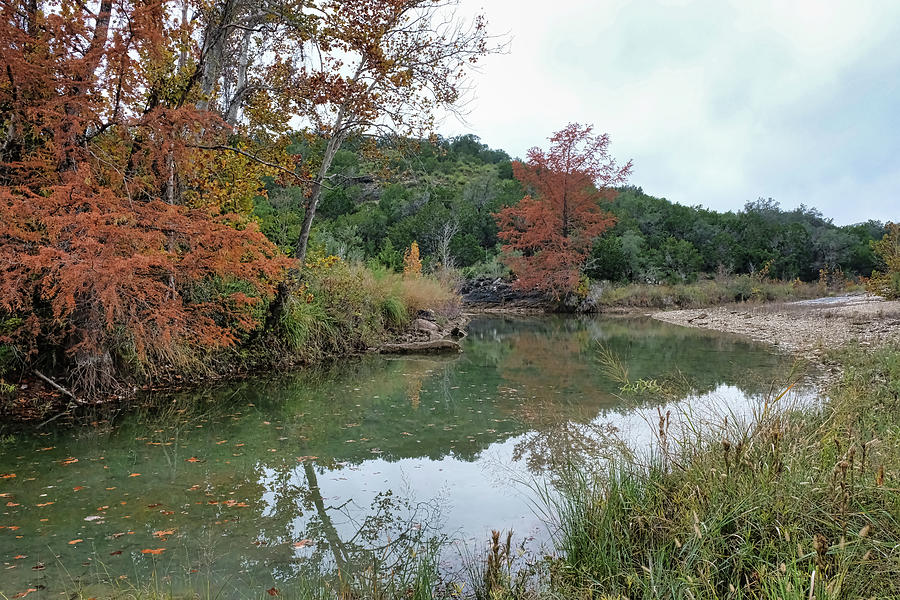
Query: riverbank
487,294
811,328
341,310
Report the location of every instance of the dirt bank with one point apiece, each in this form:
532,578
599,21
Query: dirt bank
808,327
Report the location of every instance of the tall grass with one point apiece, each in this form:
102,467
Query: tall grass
343,308
803,504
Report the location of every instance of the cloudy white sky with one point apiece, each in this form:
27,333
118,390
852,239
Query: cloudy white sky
717,101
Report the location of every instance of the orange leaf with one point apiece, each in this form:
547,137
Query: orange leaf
69,461
192,459
135,475
272,591
153,551
161,533
75,541
77,488
25,593
7,476
303,543
45,504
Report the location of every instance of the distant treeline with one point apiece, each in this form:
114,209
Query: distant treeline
442,193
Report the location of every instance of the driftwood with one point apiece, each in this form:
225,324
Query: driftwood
75,400
57,386
429,347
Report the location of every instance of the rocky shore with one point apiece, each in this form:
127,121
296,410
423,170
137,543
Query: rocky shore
808,328
428,334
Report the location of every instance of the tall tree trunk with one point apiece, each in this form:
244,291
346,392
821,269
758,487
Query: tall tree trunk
241,89
215,40
334,144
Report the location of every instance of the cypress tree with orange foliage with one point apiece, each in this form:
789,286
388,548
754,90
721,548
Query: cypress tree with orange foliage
548,235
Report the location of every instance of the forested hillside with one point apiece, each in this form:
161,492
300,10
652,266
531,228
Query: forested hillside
443,193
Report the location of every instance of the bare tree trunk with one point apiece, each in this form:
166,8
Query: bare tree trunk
334,144
182,57
445,236
215,39
241,89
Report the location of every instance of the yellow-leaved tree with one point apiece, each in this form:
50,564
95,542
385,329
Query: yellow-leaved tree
887,284
412,265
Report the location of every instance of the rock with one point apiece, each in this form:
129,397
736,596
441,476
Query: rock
423,325
429,347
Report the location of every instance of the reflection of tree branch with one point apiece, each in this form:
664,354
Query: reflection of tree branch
331,534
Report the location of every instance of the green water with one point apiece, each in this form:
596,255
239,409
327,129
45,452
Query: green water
258,484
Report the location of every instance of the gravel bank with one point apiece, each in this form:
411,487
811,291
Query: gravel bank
807,328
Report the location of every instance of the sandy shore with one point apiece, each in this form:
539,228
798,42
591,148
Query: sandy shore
807,328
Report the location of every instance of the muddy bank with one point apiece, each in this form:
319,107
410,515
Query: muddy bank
808,328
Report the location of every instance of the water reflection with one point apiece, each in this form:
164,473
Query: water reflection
262,483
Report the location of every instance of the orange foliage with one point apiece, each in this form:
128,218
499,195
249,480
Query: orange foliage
99,155
548,235
412,265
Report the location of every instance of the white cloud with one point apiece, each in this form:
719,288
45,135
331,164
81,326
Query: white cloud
717,102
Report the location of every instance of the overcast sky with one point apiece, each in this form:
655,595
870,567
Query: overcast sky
717,101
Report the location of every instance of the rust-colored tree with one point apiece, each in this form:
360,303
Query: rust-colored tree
103,266
548,235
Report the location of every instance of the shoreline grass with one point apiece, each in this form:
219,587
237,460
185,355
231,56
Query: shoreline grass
805,505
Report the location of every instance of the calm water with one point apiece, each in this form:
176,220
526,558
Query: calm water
257,484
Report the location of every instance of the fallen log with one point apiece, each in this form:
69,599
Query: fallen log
428,347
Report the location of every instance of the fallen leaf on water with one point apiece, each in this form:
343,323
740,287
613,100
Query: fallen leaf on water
11,503
45,504
192,459
303,543
270,591
47,448
19,557
115,553
153,551
77,488
7,475
38,567
135,475
161,533
25,593
154,505
69,461
75,541
102,507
